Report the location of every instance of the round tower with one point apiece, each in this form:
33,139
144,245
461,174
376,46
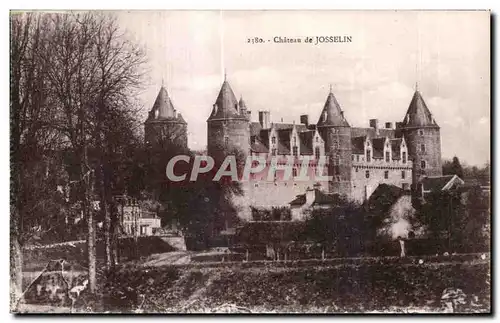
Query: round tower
336,133
423,137
165,128
228,127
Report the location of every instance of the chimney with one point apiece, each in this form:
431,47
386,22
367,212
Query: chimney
265,119
374,123
304,119
388,125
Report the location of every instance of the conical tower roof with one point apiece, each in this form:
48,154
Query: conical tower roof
418,115
242,103
332,114
226,105
163,107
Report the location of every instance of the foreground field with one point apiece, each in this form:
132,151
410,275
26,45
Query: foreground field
383,286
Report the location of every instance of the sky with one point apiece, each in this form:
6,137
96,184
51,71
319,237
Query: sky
445,53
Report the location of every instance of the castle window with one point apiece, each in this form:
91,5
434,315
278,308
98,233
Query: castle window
294,141
422,148
294,172
317,152
368,155
387,156
367,174
273,140
317,139
226,141
404,157
336,169
295,151
357,158
423,164
403,174
273,152
386,174
352,157
421,132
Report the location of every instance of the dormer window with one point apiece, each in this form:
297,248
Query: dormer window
387,156
317,152
368,155
273,140
404,157
294,141
317,139
273,152
295,151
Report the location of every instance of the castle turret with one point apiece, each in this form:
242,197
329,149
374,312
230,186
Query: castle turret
165,127
422,135
336,132
228,126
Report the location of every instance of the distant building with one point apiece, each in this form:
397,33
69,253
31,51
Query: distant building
430,184
358,159
134,220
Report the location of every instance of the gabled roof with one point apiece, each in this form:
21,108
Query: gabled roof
439,183
378,147
306,142
418,115
226,105
358,145
333,113
396,148
320,198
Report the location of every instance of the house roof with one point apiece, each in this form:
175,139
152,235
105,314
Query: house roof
396,148
372,133
358,145
263,232
320,198
418,115
255,128
378,147
438,183
332,114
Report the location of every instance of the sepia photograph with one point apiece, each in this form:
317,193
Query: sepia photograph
250,162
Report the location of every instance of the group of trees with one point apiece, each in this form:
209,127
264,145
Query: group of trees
73,78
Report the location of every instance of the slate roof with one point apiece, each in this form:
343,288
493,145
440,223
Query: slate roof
163,109
334,115
418,115
396,148
320,198
358,145
226,105
378,147
437,183
372,133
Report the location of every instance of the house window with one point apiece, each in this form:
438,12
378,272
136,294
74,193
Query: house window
273,152
367,174
387,156
422,148
404,157
423,164
295,151
368,155
403,174
317,152
273,140
386,174
421,132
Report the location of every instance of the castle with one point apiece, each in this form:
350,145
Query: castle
357,159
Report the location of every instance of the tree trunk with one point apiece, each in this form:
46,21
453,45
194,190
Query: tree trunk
16,262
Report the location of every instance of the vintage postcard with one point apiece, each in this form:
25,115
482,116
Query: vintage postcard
263,161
